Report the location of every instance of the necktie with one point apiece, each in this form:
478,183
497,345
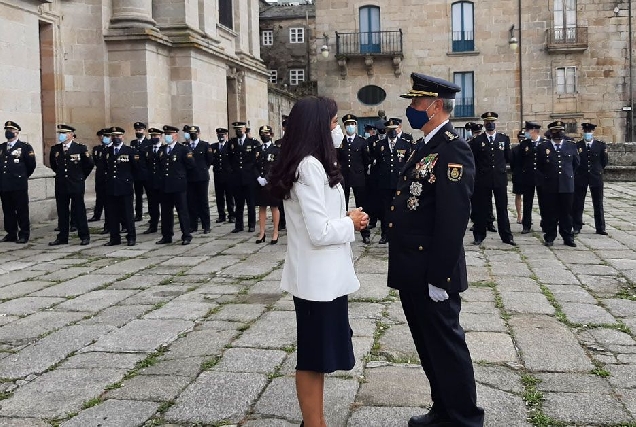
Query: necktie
65,147
10,147
116,151
392,143
169,149
491,138
558,147
350,141
192,145
154,149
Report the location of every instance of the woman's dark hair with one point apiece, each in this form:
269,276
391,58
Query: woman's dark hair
307,133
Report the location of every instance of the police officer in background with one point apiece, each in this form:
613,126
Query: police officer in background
371,197
99,177
151,157
242,157
222,193
176,161
594,158
427,263
17,163
516,169
72,163
354,159
122,164
199,180
282,224
557,161
531,177
400,134
138,144
491,151
390,154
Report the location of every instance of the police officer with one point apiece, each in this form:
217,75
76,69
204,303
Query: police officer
557,161
400,134
17,163
99,177
491,151
72,163
242,157
390,154
176,161
353,156
426,254
282,224
477,129
531,177
371,197
138,144
199,180
122,164
516,169
264,198
593,154
222,193
151,156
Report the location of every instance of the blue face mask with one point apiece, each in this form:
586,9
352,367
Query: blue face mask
168,139
469,134
587,136
527,135
105,140
187,136
351,129
417,119
62,137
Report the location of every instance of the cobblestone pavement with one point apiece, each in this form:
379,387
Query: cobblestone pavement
201,335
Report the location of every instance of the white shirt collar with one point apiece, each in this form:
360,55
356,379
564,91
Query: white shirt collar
433,132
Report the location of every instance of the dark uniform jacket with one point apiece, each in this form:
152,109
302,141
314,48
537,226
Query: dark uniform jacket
242,161
354,161
490,160
220,165
140,174
516,166
99,156
71,167
203,159
593,162
175,167
267,159
407,137
17,166
121,170
530,153
152,163
390,163
429,215
557,167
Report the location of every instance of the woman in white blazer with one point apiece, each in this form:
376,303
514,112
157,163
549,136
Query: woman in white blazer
318,269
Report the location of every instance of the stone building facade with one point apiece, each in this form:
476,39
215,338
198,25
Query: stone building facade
98,63
570,62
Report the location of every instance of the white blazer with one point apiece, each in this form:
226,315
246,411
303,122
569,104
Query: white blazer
319,261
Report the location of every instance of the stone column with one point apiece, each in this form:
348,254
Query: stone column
132,14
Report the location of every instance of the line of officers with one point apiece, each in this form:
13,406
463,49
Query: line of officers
552,166
173,174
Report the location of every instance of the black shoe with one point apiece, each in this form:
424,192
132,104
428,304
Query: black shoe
231,220
510,242
282,227
164,240
548,243
260,240
472,228
478,242
220,220
56,229
601,232
105,231
72,229
57,242
93,219
193,230
8,238
131,242
250,229
526,231
150,231
22,240
491,228
366,240
138,218
85,242
576,231
569,243
111,243
383,240
186,241
206,231
237,230
124,231
273,241
430,419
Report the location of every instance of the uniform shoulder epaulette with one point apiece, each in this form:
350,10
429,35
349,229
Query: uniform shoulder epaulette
450,136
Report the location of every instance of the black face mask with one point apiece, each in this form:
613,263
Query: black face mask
239,134
220,137
392,133
116,141
266,138
9,134
557,136
139,135
194,136
154,140
490,126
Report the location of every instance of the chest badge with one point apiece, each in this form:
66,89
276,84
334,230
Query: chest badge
416,188
424,168
455,172
412,203
547,151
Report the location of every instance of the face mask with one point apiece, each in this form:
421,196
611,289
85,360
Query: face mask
557,136
116,141
168,139
417,119
337,136
527,135
239,134
186,136
351,129
587,136
105,140
154,141
490,126
194,136
221,138
139,135
392,133
62,137
266,138
367,135
9,134
469,134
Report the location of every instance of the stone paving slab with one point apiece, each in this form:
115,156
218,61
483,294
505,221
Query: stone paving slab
261,334
23,288
585,408
76,286
157,388
96,301
34,325
28,305
502,409
492,347
141,336
114,413
586,313
395,385
526,302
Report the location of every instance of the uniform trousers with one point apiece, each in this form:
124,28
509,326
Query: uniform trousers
372,202
528,200
100,199
198,204
557,209
223,197
444,355
63,201
579,202
385,197
15,205
154,203
282,223
481,201
360,197
139,199
120,211
245,194
170,202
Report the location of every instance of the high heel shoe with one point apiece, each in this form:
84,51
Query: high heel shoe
273,241
261,240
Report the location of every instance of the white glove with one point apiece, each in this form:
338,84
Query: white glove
437,294
262,181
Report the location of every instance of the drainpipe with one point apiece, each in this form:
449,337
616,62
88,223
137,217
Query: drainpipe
521,70
631,80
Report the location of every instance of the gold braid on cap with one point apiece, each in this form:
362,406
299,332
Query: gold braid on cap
415,93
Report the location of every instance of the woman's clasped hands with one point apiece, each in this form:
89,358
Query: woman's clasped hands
359,217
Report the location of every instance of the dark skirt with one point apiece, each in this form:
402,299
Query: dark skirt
264,198
324,335
517,188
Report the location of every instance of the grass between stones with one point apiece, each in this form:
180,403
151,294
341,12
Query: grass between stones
210,363
534,401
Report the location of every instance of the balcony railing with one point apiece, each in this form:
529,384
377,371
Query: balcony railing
571,38
376,43
464,107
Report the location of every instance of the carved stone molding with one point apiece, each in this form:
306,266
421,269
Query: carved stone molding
397,65
368,63
342,63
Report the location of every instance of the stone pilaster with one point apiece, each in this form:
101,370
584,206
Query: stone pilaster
132,14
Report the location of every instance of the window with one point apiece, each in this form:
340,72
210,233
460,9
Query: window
566,80
297,35
371,95
370,29
267,37
273,76
463,27
226,13
570,127
296,76
565,20
464,100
